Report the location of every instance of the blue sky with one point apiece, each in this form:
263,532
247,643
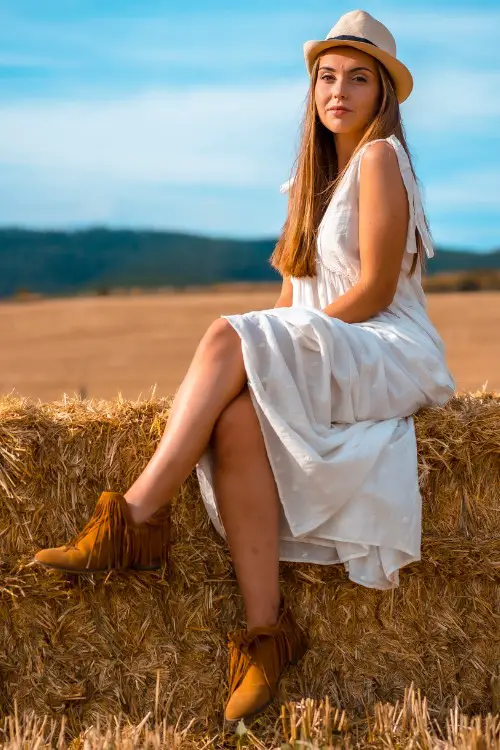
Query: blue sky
186,115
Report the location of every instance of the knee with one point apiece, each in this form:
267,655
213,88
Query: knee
220,335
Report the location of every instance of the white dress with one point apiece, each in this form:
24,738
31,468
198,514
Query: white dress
335,402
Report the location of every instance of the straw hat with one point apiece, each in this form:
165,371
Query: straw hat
360,30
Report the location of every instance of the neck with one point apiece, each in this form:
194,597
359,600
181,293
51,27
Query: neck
345,144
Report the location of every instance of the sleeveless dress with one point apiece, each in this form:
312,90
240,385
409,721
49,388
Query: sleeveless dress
335,402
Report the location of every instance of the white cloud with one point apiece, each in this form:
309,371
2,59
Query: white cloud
72,200
224,135
455,101
221,136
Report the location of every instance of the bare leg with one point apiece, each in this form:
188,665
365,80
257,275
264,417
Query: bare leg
213,403
215,376
248,503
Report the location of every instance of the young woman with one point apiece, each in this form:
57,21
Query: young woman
299,419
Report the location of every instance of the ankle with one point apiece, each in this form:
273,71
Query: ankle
263,617
137,513
140,512
261,623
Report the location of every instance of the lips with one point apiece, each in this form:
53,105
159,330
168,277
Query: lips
338,109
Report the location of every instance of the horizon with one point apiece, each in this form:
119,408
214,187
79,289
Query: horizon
199,235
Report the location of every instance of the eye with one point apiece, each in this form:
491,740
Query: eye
329,77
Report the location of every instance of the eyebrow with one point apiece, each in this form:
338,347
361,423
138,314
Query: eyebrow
327,67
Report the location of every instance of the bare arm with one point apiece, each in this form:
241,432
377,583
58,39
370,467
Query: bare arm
383,226
286,294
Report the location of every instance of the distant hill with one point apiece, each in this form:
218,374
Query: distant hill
56,262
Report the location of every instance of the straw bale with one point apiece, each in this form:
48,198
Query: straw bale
132,642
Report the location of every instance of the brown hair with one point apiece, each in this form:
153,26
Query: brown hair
316,177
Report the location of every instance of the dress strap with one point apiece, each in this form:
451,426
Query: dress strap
285,187
415,201
418,210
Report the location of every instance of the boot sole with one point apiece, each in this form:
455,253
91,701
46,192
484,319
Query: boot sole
92,570
250,716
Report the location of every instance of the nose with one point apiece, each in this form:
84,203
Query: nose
339,88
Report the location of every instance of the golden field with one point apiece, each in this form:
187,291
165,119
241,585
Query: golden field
129,343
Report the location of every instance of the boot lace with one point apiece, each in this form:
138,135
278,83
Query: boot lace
288,643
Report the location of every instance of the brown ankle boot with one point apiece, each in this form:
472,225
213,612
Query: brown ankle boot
111,540
257,659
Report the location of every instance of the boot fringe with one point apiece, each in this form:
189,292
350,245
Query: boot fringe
289,645
126,543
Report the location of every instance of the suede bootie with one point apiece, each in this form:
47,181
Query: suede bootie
257,658
111,540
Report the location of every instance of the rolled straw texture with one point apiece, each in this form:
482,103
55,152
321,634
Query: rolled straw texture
135,642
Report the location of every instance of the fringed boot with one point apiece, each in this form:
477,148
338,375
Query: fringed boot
257,658
111,540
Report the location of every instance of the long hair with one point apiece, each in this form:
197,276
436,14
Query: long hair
317,176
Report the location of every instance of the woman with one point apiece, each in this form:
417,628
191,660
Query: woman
299,418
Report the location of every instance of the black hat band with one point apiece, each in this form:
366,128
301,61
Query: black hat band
348,38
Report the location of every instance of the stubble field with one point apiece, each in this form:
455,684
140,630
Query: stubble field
100,346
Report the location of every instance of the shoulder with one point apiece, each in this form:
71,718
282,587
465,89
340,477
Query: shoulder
379,155
379,168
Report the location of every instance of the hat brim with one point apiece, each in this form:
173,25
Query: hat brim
403,79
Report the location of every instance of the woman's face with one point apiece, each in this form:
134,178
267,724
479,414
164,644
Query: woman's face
347,78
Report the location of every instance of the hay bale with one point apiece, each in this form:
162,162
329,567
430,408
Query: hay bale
130,643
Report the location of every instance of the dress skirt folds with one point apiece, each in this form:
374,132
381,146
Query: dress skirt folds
335,403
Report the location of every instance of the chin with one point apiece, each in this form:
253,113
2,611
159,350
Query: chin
339,127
